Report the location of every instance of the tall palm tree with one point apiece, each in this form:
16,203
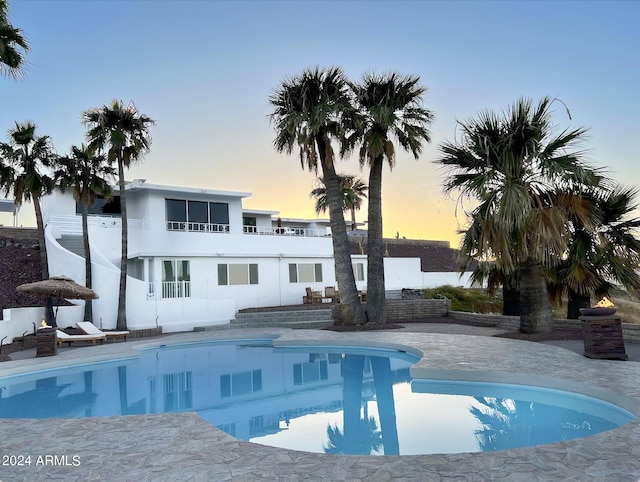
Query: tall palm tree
310,111
512,164
26,157
13,45
353,191
602,254
88,175
391,109
123,133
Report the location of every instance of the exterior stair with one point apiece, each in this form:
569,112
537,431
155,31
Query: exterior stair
296,319
72,243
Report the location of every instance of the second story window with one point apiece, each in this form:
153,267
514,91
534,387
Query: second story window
201,216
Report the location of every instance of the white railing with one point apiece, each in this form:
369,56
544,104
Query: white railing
72,224
283,231
197,227
176,289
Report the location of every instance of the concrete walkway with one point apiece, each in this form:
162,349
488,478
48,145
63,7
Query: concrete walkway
181,446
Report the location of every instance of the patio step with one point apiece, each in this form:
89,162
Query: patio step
72,243
295,319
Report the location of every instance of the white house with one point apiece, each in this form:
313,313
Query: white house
196,256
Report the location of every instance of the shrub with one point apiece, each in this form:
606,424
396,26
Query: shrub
471,300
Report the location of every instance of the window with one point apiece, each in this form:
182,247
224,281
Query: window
219,213
108,207
178,393
198,213
305,273
358,271
237,274
249,223
241,383
197,216
176,278
310,372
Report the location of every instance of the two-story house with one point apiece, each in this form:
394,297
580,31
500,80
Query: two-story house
196,256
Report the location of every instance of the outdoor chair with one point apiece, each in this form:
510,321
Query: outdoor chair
313,296
91,329
63,337
331,294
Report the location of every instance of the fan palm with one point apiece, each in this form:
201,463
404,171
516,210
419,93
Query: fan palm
12,45
353,191
123,133
87,174
602,254
26,157
390,108
310,111
512,165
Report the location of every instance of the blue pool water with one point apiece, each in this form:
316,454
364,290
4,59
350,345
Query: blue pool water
313,398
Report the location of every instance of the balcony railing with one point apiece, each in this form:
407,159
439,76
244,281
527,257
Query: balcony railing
283,231
176,289
197,227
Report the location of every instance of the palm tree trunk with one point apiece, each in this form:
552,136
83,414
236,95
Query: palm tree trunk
88,311
354,225
350,306
575,302
122,296
353,372
383,382
44,261
376,303
536,316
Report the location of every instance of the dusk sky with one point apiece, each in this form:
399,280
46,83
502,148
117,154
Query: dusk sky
204,71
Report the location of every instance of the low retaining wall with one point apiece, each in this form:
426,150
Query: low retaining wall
146,332
630,331
501,321
407,310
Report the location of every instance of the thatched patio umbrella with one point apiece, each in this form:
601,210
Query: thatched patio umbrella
59,287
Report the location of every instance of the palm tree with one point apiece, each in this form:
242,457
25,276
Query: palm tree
87,174
512,165
310,111
601,254
123,133
353,191
25,157
12,45
391,109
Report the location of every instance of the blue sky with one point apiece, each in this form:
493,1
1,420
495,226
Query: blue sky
204,71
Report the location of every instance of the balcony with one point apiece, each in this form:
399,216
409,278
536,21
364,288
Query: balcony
285,231
197,227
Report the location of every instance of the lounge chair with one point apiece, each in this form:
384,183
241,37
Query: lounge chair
63,337
91,329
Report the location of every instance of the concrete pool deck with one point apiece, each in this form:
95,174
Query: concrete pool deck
181,446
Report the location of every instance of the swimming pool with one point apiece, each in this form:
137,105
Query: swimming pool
318,399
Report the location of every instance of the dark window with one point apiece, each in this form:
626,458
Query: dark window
249,221
176,210
102,206
198,212
219,213
253,274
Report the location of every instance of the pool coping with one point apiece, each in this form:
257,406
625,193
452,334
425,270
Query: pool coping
181,446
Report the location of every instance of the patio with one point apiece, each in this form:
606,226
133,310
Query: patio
181,446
